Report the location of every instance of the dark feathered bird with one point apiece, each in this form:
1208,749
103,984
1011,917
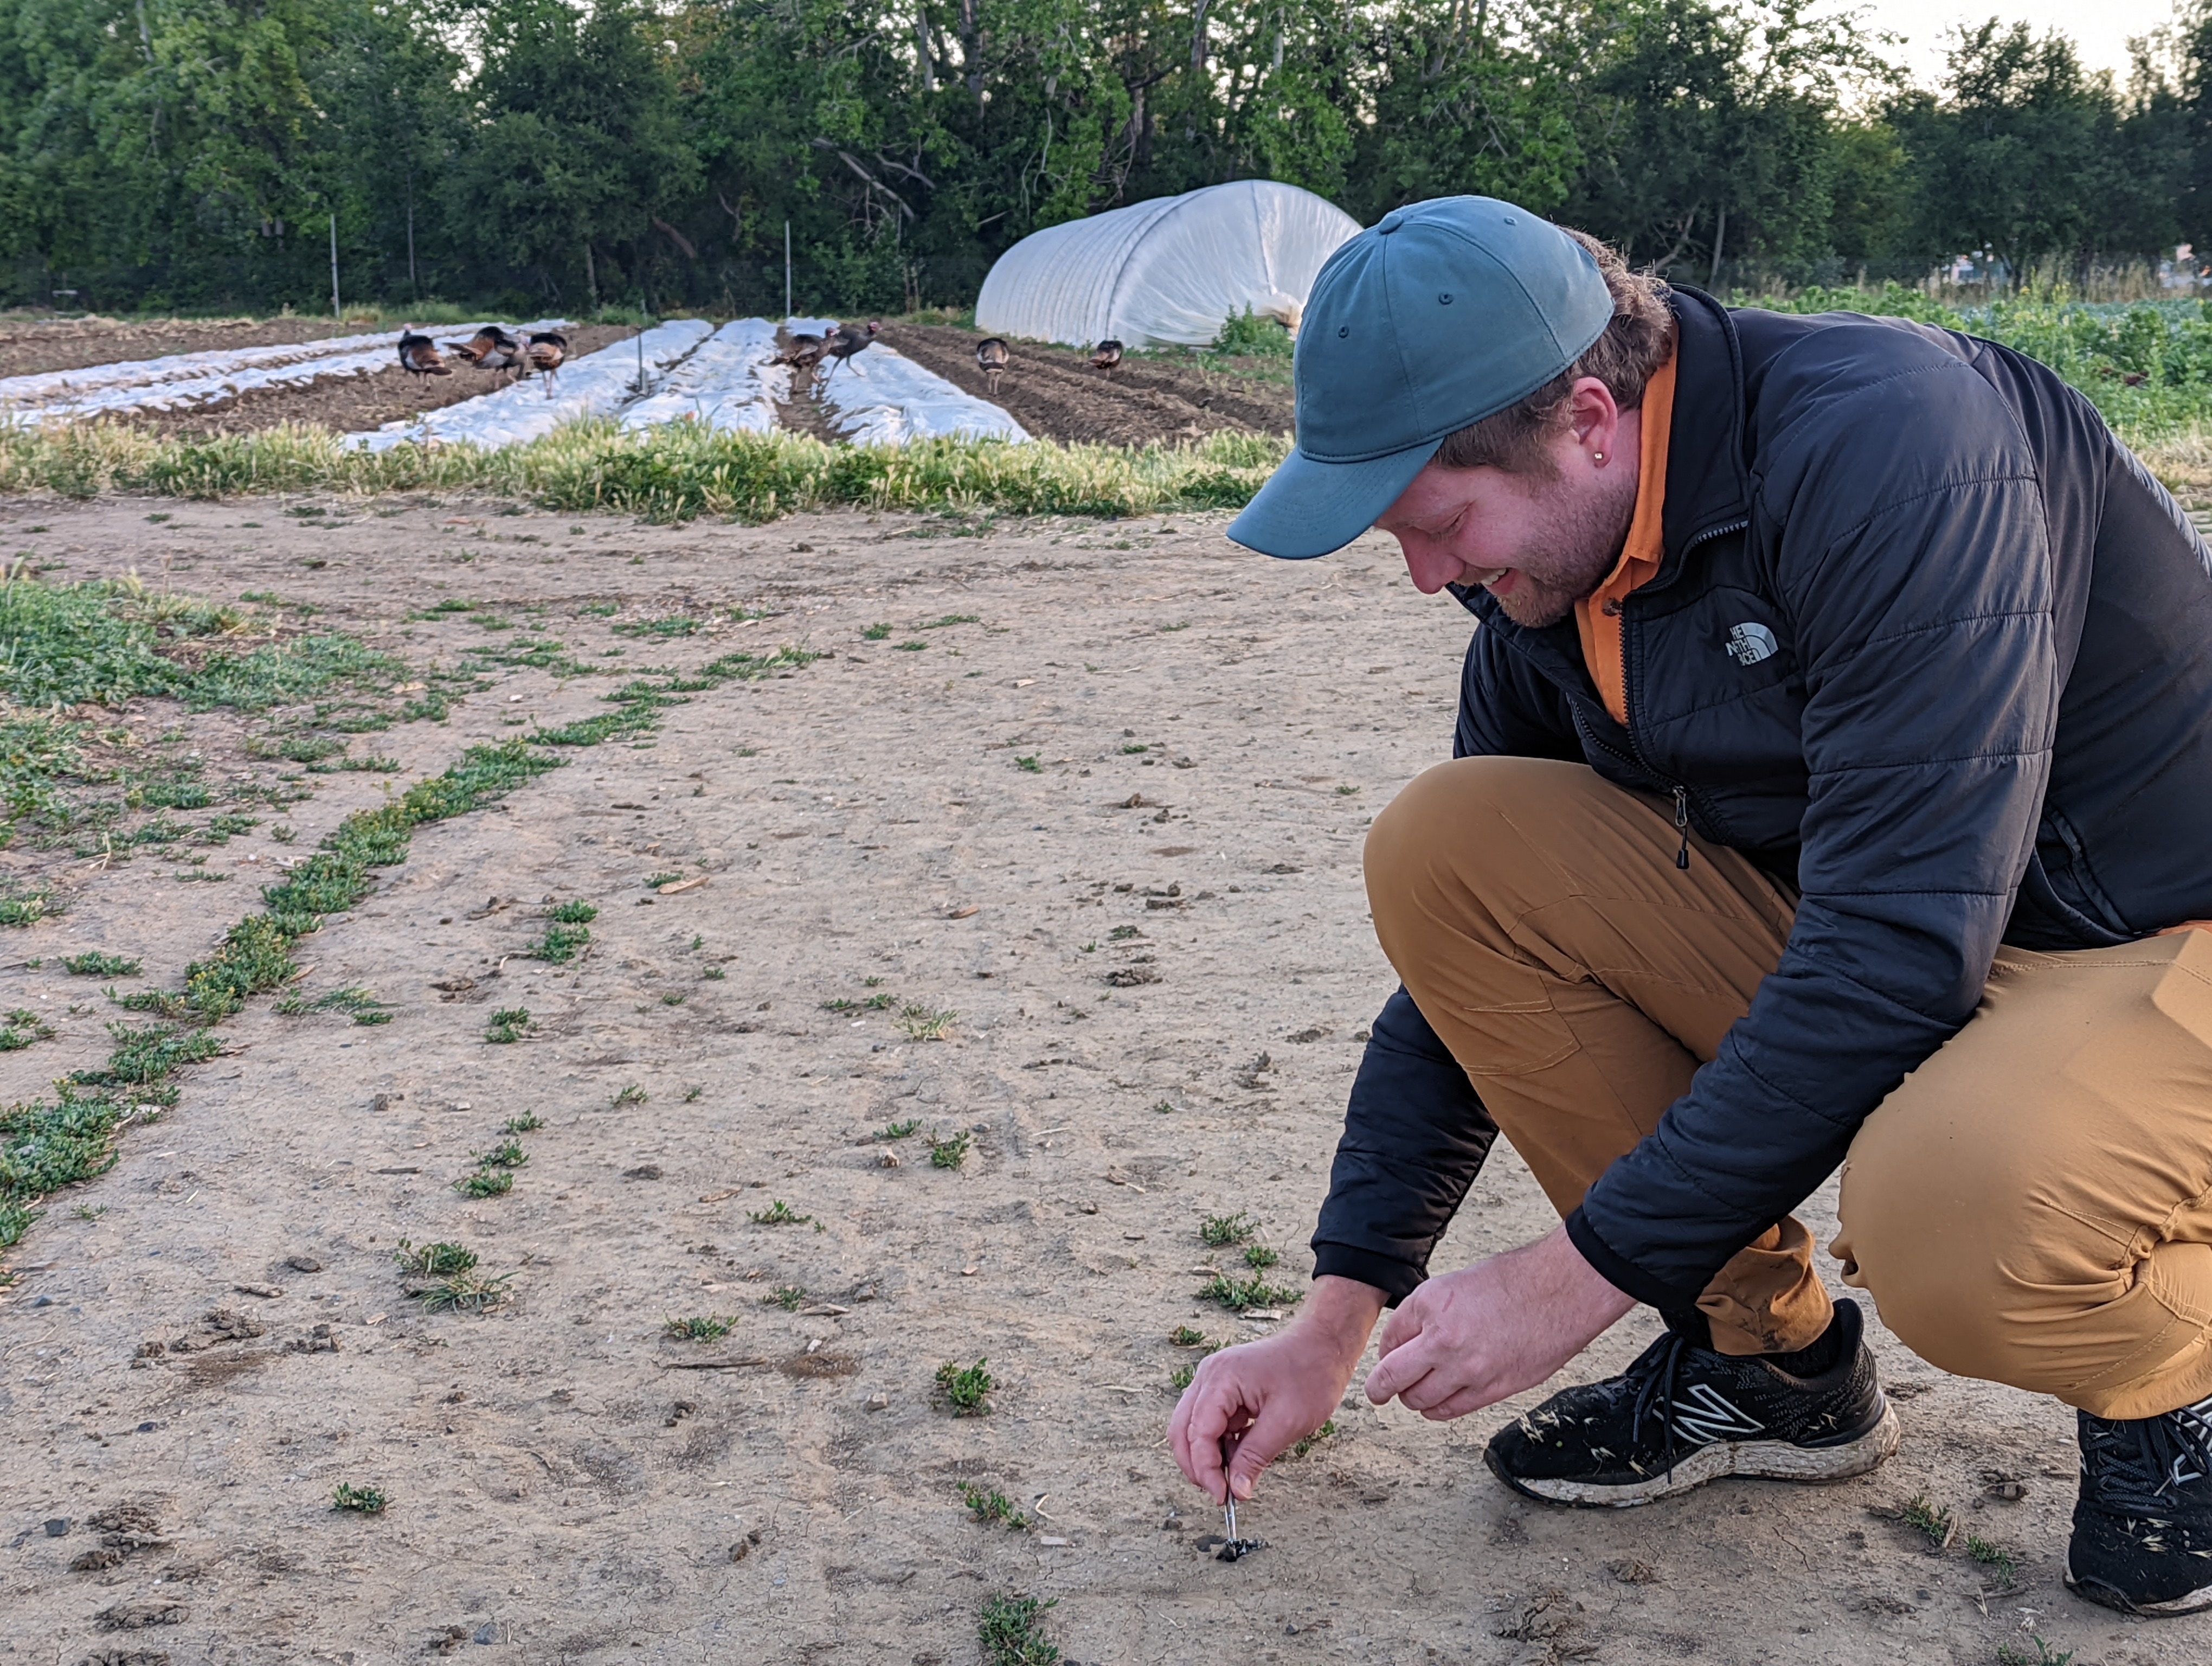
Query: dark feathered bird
546,352
1106,355
990,357
418,356
490,349
848,340
803,353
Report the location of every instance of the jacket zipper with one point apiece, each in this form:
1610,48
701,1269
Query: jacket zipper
1681,791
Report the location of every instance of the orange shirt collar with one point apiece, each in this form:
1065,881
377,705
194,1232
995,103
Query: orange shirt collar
1597,617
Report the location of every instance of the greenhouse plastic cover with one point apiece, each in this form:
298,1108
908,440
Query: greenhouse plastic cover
731,384
1168,271
185,379
597,384
880,398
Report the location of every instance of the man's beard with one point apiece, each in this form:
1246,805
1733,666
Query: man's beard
1581,549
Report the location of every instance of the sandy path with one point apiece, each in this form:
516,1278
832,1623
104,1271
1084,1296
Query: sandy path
558,1490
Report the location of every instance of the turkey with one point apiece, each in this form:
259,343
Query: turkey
419,356
490,349
547,351
1106,355
990,357
846,341
803,353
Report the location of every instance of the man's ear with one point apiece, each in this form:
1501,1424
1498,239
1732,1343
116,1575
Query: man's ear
1593,418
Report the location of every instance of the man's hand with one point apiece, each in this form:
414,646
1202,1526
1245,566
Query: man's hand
1261,1397
1470,1338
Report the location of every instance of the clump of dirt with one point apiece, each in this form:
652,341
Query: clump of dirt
1054,393
351,405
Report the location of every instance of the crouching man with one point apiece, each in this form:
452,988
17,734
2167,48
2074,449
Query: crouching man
1832,783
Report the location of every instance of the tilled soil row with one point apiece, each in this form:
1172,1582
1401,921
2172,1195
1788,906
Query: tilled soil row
1056,395
351,405
37,347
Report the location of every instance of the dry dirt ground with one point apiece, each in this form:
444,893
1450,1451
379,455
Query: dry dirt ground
32,343
1161,968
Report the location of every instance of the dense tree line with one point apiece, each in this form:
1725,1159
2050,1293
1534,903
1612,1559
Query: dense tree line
545,155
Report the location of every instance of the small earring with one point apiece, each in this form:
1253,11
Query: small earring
1601,456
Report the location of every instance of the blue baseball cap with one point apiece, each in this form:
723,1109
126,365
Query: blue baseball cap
1436,316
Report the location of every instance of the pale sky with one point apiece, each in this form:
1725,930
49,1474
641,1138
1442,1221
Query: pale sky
2100,28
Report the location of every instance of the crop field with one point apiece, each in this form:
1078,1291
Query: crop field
843,1013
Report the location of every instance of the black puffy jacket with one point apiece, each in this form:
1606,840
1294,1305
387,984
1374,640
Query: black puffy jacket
1987,714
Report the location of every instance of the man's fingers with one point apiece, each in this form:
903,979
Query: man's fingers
1404,1324
1211,1405
1398,1371
1458,1404
1271,1431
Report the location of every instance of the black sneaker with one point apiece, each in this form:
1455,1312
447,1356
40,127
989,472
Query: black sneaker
2142,1526
1683,1415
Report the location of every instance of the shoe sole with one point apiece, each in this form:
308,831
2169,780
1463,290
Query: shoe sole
1763,1460
2095,1590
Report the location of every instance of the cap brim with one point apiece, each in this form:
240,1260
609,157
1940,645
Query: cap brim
1310,509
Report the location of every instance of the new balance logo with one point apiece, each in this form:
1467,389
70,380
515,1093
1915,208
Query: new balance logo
1704,1415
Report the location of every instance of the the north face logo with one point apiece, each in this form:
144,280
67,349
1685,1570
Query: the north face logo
1748,644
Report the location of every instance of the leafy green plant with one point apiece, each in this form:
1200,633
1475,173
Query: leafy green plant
788,1297
528,1122
1179,1378
364,1500
1300,1448
705,1328
780,1213
1260,1256
1930,1520
631,1095
875,633
1223,1232
466,1293
560,944
508,1154
655,881
898,1130
434,1260
966,1389
575,912
1995,1558
23,1027
1029,764
922,1022
1010,1630
1241,1297
1248,335
872,1004
2011,1654
952,1150
93,964
508,1025
1187,1336
991,1507
486,1182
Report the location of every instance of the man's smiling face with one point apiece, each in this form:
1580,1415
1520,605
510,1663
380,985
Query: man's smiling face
1537,542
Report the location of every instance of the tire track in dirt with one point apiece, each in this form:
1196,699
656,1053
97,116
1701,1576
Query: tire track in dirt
1055,395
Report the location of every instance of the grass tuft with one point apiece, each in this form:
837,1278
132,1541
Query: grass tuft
780,1213
486,1182
952,1150
466,1293
366,1500
922,1022
508,1025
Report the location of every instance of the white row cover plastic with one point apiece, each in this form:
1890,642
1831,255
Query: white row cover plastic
597,384
731,384
185,379
1170,272
879,398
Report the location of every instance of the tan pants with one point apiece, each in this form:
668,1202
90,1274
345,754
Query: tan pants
2033,1205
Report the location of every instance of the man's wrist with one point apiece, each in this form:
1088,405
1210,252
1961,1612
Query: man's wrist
1342,1311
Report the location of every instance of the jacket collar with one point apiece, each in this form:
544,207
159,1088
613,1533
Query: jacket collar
1708,479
